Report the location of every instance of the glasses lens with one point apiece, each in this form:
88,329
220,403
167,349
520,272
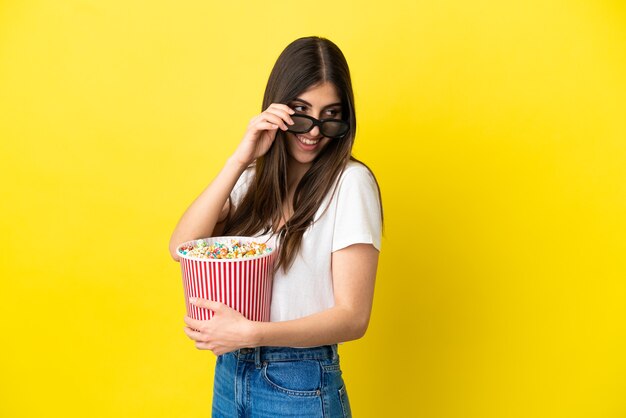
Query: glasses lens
334,128
300,124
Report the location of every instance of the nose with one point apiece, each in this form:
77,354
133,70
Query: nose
315,132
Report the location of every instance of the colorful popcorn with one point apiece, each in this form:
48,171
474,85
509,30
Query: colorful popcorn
229,249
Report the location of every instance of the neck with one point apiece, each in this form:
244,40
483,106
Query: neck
295,172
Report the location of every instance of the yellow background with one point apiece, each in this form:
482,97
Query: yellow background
497,132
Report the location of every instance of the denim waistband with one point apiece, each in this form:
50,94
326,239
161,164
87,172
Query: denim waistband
261,354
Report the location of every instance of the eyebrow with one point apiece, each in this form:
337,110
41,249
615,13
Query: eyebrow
297,99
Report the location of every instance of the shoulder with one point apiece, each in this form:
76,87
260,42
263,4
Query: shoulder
358,208
357,185
357,173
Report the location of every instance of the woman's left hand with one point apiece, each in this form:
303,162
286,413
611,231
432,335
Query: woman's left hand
227,331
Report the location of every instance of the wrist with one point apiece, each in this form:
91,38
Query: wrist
255,336
237,163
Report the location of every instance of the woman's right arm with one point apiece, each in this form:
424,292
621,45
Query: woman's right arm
202,216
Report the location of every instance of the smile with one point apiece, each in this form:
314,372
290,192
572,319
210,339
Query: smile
306,141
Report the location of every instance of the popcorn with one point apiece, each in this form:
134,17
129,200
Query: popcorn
237,271
230,249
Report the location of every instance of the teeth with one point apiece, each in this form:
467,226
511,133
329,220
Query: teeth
308,141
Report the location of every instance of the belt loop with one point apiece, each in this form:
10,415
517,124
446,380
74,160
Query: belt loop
335,352
257,357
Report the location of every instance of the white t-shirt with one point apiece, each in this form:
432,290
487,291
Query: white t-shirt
353,217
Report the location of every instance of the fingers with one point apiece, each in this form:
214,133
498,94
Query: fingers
202,343
275,116
204,335
283,107
207,304
193,323
196,325
266,126
193,334
204,346
265,121
282,111
219,350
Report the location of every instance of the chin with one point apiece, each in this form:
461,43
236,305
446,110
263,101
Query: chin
302,159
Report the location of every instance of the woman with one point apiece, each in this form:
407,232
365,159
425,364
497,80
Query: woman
292,178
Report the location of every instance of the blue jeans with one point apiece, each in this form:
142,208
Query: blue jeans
271,382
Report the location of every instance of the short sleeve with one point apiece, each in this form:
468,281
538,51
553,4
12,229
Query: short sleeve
241,187
358,213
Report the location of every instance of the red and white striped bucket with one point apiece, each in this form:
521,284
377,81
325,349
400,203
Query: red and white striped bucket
244,284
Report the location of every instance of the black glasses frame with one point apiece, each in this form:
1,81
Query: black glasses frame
320,123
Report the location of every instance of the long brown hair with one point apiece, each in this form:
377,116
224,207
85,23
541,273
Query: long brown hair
304,63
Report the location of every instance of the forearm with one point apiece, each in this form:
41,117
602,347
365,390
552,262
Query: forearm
333,325
200,218
354,274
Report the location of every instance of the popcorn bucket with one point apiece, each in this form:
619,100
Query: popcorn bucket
244,284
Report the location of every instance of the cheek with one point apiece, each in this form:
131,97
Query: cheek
325,143
289,141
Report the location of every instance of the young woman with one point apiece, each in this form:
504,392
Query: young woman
292,178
